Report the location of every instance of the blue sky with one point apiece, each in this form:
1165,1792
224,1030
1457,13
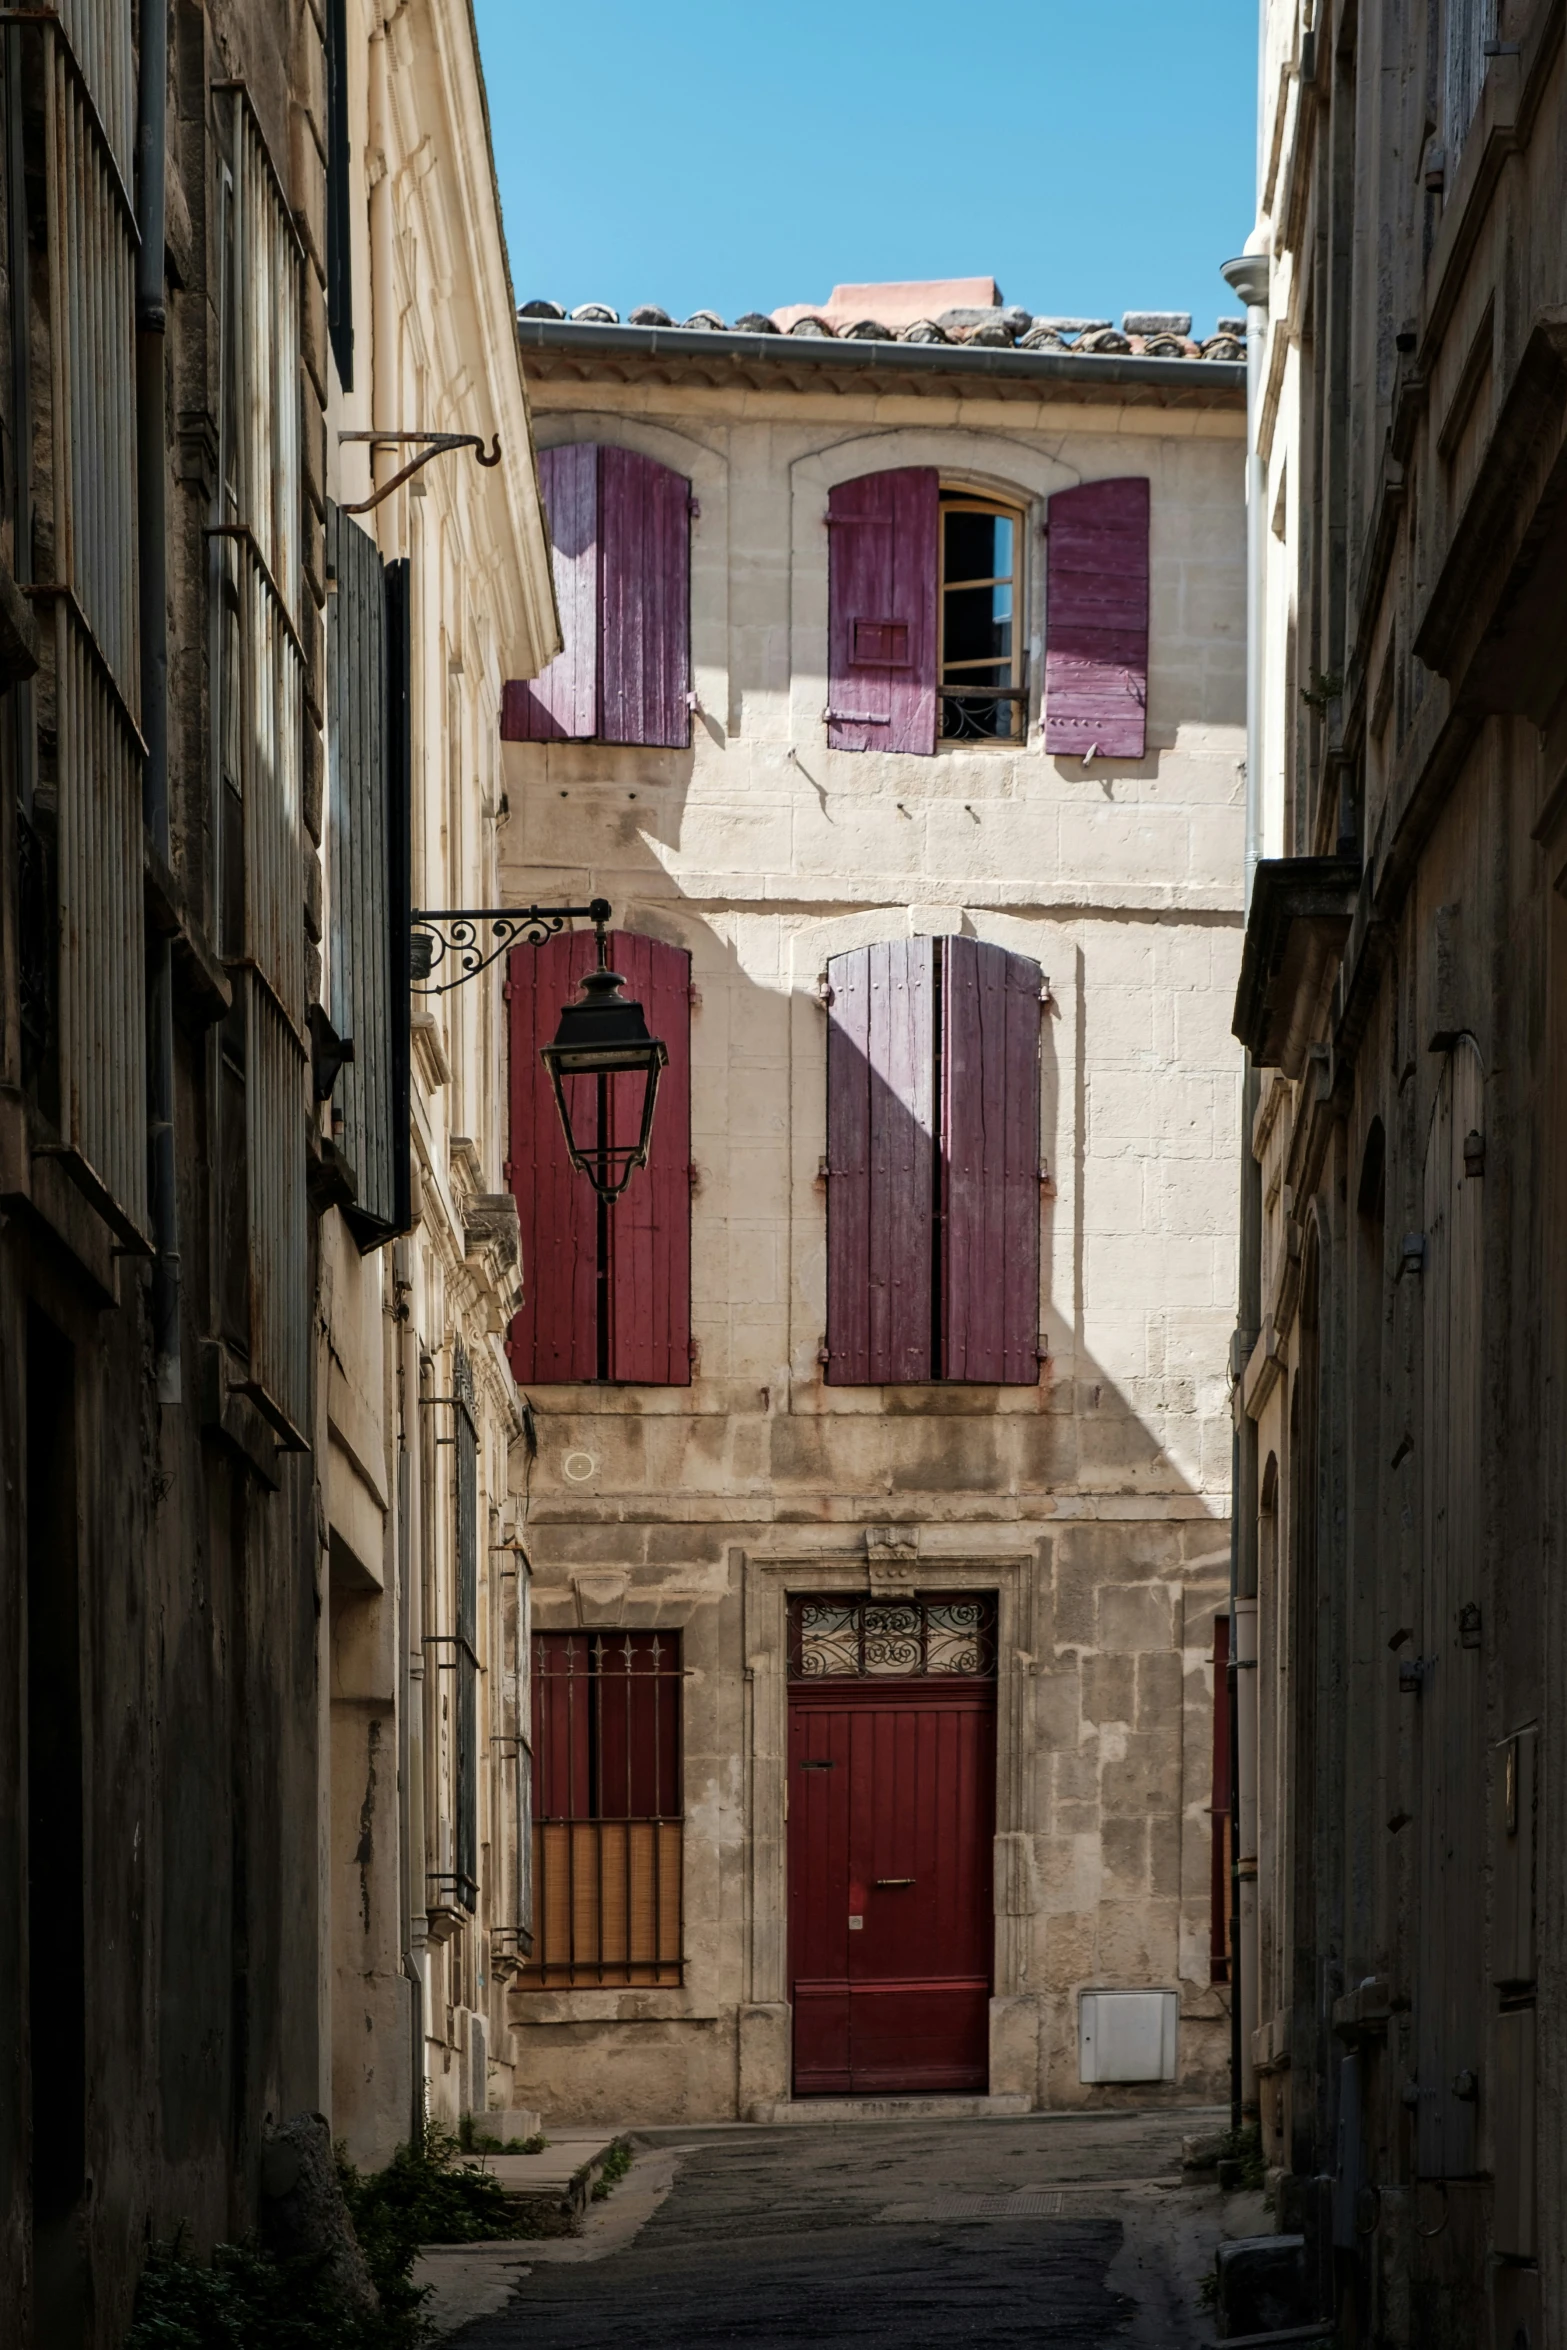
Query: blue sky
1094,156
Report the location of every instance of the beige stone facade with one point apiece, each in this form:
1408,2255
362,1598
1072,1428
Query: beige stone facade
1093,1505
414,1964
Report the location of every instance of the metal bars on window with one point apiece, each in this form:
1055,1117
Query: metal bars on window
608,1831
466,1455
94,685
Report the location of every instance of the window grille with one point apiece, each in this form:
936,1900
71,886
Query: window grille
260,715
608,1827
89,695
912,1637
466,1455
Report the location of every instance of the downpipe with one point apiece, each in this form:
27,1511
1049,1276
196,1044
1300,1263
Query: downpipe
1248,277
152,582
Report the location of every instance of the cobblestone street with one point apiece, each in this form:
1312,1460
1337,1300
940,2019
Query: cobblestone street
1054,2230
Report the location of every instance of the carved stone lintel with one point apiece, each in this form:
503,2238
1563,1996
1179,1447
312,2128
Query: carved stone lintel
599,1594
892,1556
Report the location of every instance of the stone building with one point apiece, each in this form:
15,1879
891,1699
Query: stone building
416,1409
197,1388
878,1505
1399,1415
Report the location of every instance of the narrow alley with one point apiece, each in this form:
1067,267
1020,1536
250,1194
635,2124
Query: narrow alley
1060,2232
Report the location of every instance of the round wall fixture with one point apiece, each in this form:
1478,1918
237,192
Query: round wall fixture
579,1466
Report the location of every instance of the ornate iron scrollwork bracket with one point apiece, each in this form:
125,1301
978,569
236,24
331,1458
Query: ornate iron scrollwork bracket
447,948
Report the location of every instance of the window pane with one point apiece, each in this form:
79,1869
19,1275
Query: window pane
978,624
978,546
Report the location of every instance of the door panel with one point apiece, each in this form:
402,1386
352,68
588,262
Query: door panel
891,1815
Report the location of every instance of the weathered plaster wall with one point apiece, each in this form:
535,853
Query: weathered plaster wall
764,853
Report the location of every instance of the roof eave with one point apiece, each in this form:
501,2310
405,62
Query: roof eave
1069,370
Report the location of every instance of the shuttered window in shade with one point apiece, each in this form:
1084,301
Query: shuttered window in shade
933,1243
620,537
369,847
882,591
606,1290
1096,620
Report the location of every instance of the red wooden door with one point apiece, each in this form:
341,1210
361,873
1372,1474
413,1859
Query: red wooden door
891,1814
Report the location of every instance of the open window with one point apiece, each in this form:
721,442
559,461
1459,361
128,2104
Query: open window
926,607
984,685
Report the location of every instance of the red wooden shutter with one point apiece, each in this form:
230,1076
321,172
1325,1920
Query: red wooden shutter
562,704
990,1163
880,1156
555,1336
1096,620
881,611
650,1224
644,601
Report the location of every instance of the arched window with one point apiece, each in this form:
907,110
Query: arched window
982,653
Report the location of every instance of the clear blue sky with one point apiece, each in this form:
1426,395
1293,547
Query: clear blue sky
1094,156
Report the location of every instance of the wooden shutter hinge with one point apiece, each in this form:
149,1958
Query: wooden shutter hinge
824,991
694,1353
823,1354
694,995
694,509
823,1171
1047,1182
694,1177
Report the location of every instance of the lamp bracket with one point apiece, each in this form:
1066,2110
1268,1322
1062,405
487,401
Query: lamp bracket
429,444
470,938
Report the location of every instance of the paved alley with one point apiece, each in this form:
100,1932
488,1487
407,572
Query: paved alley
1058,2230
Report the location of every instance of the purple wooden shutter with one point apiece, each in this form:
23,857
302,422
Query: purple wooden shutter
881,1165
561,705
1096,620
882,588
555,1336
990,1164
644,601
650,1224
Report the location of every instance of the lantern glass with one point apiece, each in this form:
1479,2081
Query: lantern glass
604,1069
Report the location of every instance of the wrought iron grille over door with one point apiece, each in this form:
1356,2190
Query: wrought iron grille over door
607,1832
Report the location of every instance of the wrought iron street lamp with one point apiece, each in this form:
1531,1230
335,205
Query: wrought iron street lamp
603,1038
602,1041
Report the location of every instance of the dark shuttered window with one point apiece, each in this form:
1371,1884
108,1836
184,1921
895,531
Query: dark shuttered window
620,531
606,1290
368,678
882,595
339,202
1096,620
933,1164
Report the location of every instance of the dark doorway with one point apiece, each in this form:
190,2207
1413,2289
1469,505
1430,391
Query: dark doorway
57,1996
892,1744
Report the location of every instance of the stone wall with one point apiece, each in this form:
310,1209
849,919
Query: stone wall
1095,1501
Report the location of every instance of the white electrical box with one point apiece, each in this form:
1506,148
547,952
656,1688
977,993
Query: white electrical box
1127,2035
